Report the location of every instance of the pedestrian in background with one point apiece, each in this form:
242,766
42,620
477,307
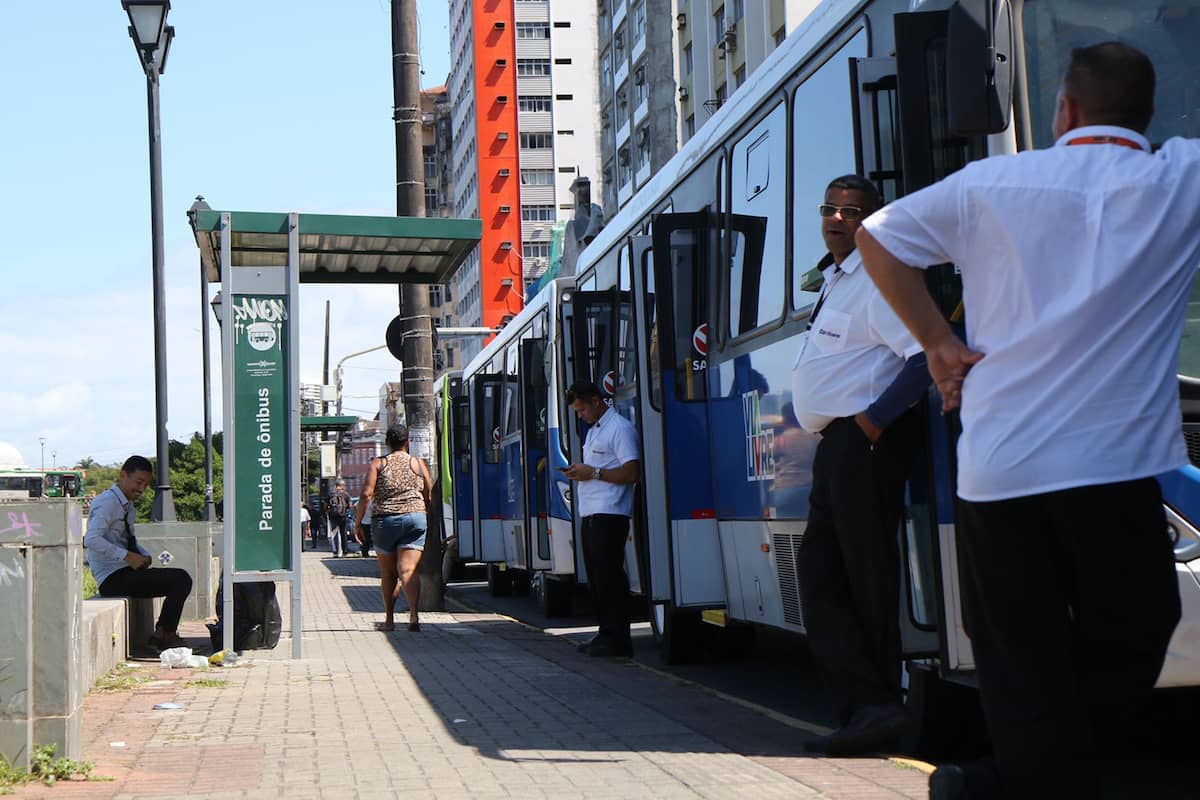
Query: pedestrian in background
400,489
339,509
1076,265
857,375
305,525
604,492
362,529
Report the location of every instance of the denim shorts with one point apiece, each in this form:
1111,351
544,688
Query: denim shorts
399,532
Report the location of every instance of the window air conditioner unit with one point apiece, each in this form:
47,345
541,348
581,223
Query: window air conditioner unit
505,209
503,98
623,156
683,93
499,26
501,62
502,136
681,20
506,283
506,245
639,77
729,41
504,173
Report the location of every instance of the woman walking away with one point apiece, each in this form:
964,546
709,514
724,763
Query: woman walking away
399,490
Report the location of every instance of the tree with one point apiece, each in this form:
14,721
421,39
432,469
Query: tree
187,479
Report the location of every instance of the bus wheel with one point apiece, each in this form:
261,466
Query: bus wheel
500,581
553,595
677,632
521,581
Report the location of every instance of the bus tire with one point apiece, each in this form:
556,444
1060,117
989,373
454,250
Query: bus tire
678,632
522,581
499,581
553,595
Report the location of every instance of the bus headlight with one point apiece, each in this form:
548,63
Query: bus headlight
1185,539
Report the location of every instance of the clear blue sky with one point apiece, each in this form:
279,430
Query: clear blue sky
266,106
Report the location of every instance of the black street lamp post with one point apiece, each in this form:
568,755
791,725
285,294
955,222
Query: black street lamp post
152,37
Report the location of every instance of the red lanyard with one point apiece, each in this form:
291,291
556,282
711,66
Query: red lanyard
1119,140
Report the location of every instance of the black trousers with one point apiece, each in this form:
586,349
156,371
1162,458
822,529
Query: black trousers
849,561
1070,600
604,558
173,584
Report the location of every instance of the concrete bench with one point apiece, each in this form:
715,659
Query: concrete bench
103,640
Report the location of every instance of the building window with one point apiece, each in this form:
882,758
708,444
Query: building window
537,177
431,201
534,103
533,67
538,213
606,72
619,45
739,10
643,146
536,141
689,126
688,63
721,95
533,30
718,24
624,166
535,250
431,167
739,76
780,35
639,21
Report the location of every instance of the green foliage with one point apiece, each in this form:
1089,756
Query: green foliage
121,679
90,589
43,767
208,683
187,478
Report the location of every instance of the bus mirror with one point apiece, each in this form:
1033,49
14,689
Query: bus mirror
979,80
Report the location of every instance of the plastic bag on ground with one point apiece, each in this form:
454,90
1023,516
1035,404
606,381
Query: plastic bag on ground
197,662
175,657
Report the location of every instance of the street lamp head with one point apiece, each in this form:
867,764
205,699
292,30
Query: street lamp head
217,304
148,29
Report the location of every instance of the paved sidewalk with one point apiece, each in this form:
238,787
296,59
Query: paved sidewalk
474,705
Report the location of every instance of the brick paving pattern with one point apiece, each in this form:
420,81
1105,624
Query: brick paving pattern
473,706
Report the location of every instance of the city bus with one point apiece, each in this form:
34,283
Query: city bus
64,482
20,484
708,275
509,432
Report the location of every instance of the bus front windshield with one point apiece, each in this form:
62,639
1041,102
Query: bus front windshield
1168,31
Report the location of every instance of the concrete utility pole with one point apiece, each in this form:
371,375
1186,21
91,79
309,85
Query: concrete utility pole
417,326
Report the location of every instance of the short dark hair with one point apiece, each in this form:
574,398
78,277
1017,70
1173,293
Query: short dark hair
137,464
1113,84
857,183
397,436
583,390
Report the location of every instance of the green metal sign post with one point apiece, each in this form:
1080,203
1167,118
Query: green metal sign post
261,447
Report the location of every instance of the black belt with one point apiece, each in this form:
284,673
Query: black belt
840,420
594,516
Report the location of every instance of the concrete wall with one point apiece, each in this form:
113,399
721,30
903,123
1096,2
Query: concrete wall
190,547
41,675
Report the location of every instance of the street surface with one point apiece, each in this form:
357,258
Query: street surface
474,706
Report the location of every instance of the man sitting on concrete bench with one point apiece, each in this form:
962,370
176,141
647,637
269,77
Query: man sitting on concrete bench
121,566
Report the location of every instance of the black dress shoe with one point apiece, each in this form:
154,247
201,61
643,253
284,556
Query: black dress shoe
610,650
875,729
948,782
586,646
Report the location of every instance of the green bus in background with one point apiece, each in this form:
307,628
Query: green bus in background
63,482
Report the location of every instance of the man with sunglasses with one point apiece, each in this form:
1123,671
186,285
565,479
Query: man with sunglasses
856,378
1075,284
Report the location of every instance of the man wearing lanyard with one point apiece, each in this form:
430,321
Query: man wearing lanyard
121,566
605,497
856,377
1075,286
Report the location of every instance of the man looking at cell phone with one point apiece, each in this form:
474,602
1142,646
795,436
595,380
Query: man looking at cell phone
605,496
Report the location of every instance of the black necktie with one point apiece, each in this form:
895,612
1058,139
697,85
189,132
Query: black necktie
131,544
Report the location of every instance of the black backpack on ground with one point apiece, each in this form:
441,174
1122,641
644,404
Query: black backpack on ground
257,622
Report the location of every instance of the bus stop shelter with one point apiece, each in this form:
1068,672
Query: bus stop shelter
260,259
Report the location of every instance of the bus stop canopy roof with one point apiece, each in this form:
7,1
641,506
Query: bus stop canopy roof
327,424
337,248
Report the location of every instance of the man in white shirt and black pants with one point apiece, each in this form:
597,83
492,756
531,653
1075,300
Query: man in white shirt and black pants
604,494
856,378
1076,264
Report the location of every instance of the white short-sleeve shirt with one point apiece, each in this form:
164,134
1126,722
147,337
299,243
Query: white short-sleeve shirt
854,350
610,443
1076,265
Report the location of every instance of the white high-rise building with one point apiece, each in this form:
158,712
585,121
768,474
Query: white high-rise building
523,93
